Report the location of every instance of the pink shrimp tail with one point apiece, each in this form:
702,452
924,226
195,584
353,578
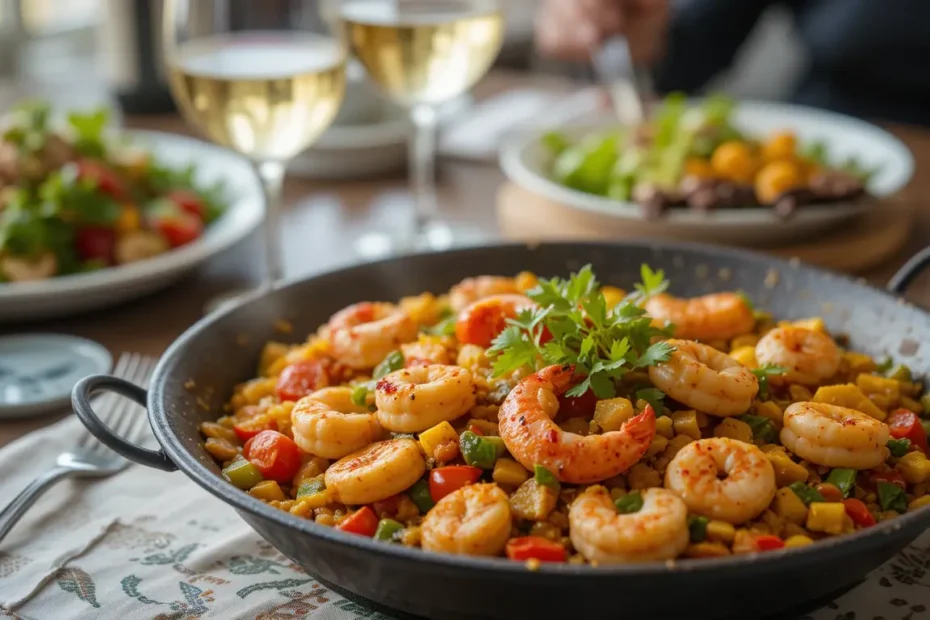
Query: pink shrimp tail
641,428
560,377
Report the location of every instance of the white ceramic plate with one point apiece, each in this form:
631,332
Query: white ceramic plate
526,162
78,293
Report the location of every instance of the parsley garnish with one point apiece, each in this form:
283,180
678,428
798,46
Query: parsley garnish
763,373
603,343
653,396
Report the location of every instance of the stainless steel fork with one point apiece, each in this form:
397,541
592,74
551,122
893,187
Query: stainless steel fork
90,458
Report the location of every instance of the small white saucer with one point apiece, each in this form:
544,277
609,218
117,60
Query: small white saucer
38,371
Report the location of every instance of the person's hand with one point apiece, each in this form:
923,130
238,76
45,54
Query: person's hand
570,29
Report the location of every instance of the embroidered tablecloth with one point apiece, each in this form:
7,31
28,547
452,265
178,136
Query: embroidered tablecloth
147,544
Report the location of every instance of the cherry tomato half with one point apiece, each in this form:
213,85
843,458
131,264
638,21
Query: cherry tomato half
445,480
363,522
95,243
535,547
480,322
274,454
302,378
106,179
249,428
858,512
905,424
768,542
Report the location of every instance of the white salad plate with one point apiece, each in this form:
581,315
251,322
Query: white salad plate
74,294
526,161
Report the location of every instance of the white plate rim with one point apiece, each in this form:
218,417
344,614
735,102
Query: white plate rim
241,217
515,147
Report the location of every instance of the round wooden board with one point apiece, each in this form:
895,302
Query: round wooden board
866,242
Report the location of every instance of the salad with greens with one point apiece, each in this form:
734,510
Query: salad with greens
694,156
75,199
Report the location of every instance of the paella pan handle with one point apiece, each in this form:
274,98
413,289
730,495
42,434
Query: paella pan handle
911,269
80,399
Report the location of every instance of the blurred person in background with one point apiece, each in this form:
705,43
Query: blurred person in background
868,58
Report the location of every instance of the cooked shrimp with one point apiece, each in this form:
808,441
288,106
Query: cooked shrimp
719,316
424,352
526,426
746,489
702,377
327,423
810,356
382,469
658,531
414,399
834,436
472,289
474,520
364,333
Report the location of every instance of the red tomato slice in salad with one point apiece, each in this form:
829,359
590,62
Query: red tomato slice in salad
177,226
189,201
105,177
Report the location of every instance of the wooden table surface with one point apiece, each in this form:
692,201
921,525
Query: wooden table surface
321,219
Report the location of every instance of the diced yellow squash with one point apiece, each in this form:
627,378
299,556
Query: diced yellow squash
827,517
746,340
533,501
423,309
813,324
915,467
720,531
849,396
745,356
268,490
770,409
686,423
256,389
675,444
858,362
658,445
317,500
431,438
786,470
734,429
664,427
611,413
613,295
789,506
798,540
873,384
221,449
799,393
642,476
919,503
218,431
507,471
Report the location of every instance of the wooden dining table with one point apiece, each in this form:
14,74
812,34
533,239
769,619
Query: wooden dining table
321,219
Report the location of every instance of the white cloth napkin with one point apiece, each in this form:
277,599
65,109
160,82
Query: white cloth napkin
148,544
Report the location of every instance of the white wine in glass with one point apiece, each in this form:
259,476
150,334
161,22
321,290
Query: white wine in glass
422,53
251,80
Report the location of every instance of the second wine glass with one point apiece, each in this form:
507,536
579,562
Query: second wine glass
255,78
422,53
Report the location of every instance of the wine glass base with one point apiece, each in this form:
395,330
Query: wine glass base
433,237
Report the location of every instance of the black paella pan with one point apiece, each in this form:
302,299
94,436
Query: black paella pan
222,350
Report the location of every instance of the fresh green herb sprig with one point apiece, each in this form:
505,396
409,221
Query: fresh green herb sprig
763,373
602,343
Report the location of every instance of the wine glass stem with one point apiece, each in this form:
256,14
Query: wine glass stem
422,164
271,176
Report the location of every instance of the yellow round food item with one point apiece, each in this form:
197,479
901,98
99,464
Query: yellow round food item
775,178
780,145
699,167
734,161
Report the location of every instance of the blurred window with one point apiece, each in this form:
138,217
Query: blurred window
48,39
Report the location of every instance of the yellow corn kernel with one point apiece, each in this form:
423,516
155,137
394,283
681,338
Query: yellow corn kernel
770,409
431,438
849,396
786,470
268,490
525,280
271,353
508,471
798,541
616,493
613,295
472,357
789,506
485,426
423,309
799,393
745,356
317,500
610,414
720,531
533,501
872,384
918,503
706,550
858,362
910,404
746,340
641,476
734,429
129,219
827,517
675,444
313,468
281,414
744,541
915,467
685,423
579,426
664,427
659,443
813,324
256,389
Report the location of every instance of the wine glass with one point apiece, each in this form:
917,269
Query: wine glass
422,53
254,77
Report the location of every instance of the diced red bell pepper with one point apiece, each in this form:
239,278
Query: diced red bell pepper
905,424
858,512
891,476
535,548
475,429
302,378
387,507
363,522
95,243
768,542
274,454
445,480
578,406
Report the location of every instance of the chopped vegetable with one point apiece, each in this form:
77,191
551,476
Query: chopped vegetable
242,474
905,424
630,503
762,428
828,517
481,451
858,512
843,479
891,497
806,493
274,454
697,526
445,327
445,480
421,496
768,542
393,362
432,438
901,372
890,476
898,447
388,530
581,406
535,548
763,373
363,522
268,490
545,477
360,394
302,378
311,487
